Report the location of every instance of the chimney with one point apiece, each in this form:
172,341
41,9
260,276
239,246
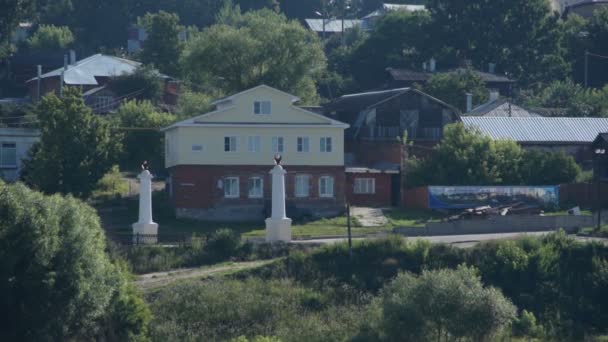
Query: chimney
494,95
65,62
72,57
491,68
469,102
432,65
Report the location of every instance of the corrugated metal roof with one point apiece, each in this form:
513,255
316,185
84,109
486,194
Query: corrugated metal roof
539,129
331,25
501,108
84,71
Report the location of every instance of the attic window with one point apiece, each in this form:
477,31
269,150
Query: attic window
261,107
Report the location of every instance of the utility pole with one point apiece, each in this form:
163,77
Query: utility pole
586,67
350,237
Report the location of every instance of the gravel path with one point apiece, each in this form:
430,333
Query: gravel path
152,281
369,217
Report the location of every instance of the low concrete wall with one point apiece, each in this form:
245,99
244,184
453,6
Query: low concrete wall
501,224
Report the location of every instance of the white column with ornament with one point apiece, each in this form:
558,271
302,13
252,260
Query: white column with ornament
145,230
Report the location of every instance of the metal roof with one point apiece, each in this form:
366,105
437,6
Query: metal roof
500,107
331,25
539,129
394,7
84,71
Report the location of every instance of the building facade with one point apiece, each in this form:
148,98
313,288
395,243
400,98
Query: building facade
15,144
219,162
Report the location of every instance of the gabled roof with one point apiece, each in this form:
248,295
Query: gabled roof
84,71
331,25
233,96
423,76
501,107
601,138
361,101
539,129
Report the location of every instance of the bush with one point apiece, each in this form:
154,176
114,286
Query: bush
443,303
111,185
223,244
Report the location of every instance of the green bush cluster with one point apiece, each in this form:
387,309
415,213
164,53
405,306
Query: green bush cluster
111,185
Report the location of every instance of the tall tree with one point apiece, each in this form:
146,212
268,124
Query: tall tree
260,47
453,88
50,37
400,39
13,11
163,47
518,35
56,279
75,148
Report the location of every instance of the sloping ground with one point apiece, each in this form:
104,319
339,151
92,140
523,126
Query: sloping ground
369,217
153,281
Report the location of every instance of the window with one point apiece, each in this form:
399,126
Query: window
365,186
326,186
262,107
229,144
256,187
303,144
231,187
302,185
277,144
8,154
253,144
326,144
197,148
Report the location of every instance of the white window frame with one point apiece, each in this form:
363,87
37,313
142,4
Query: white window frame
197,148
302,142
254,143
2,151
230,145
364,186
326,145
232,194
303,190
261,189
329,191
262,107
278,142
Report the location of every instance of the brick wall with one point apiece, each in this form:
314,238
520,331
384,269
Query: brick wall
382,196
415,198
372,152
196,187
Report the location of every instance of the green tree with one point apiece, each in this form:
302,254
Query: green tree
518,35
443,304
75,148
453,87
571,99
142,140
400,39
261,47
162,48
57,282
49,37
192,103
467,157
144,84
13,11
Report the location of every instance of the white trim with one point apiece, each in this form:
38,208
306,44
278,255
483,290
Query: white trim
238,190
331,144
231,97
236,143
261,195
366,186
266,125
331,195
307,187
251,138
261,102
304,138
281,144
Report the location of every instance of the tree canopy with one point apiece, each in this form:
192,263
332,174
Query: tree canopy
453,88
50,37
258,47
162,48
57,281
467,157
75,148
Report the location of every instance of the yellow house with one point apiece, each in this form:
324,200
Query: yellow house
219,161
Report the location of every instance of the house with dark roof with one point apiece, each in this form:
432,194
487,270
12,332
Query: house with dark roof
398,78
373,150
501,107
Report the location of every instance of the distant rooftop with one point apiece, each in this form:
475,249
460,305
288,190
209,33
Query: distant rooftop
385,8
84,71
539,129
331,25
501,107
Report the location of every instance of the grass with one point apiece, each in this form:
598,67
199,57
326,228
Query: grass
118,221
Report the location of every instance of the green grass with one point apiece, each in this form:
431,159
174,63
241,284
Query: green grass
119,222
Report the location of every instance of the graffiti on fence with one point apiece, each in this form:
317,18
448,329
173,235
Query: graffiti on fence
462,197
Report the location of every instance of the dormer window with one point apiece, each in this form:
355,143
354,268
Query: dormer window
261,107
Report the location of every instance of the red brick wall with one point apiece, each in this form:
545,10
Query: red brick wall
382,197
415,198
195,186
371,152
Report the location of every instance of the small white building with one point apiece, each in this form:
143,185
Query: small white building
14,146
